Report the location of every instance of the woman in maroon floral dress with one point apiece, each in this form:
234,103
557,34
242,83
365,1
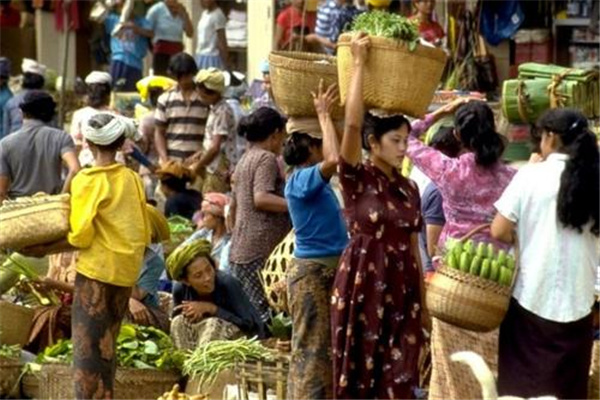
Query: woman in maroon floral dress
377,297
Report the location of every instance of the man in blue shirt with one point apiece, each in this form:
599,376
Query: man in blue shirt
128,48
5,93
334,17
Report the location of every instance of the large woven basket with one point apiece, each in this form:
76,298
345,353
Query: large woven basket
15,323
30,385
30,221
260,376
468,301
273,273
396,79
56,382
294,75
10,369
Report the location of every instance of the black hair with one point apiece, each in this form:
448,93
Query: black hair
261,124
39,105
98,94
154,93
296,150
379,126
445,141
176,184
578,195
476,128
98,121
182,64
33,81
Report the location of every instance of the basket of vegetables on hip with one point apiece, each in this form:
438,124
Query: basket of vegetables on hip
401,74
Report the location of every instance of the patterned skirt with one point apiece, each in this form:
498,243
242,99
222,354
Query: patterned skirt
97,312
249,277
187,335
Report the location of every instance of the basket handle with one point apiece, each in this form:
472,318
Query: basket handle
474,231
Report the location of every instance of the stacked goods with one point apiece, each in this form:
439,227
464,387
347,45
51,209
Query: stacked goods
472,287
401,74
482,260
295,75
30,221
540,87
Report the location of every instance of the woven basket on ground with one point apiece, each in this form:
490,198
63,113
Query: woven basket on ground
594,381
273,273
15,323
468,301
261,376
396,79
10,370
56,382
294,75
30,385
34,220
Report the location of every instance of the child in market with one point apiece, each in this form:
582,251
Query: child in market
110,228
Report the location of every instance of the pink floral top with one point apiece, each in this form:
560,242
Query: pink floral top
469,191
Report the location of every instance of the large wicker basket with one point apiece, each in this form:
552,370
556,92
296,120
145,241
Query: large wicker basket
10,370
396,79
294,75
15,323
261,376
30,385
273,273
468,301
30,221
56,382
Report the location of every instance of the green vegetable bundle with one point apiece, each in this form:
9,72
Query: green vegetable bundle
281,326
210,359
388,25
480,259
137,347
10,351
181,228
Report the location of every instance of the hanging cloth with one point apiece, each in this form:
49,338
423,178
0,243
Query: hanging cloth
500,20
59,15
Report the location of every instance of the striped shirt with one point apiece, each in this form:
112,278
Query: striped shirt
184,122
326,15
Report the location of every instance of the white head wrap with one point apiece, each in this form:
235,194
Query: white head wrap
98,77
33,67
110,132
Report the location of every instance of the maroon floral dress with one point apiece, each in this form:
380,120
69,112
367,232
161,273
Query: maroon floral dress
376,301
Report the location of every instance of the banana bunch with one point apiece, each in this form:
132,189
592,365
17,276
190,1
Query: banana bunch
174,394
480,259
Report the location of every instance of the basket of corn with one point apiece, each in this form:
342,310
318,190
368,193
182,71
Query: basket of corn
472,287
30,221
401,74
294,75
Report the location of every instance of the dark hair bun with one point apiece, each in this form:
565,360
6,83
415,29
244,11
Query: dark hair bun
262,123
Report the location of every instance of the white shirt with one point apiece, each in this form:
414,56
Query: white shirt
419,178
557,264
209,24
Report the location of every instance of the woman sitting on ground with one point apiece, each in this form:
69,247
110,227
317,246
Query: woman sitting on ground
209,304
174,177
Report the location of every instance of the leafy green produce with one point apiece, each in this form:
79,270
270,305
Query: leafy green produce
281,326
210,359
10,351
388,25
179,224
137,347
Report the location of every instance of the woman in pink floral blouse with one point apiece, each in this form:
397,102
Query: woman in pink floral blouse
469,184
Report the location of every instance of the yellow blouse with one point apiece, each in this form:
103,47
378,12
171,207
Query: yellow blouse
109,224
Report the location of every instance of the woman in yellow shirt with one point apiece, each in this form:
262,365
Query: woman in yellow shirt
110,228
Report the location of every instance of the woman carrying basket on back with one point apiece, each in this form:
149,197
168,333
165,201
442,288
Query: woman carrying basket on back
469,184
546,337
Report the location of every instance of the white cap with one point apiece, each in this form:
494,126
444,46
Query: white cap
98,77
33,67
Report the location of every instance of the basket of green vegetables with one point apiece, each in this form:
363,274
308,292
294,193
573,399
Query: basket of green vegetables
401,74
15,322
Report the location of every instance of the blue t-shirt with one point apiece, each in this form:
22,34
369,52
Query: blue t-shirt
152,269
129,48
433,214
316,215
164,25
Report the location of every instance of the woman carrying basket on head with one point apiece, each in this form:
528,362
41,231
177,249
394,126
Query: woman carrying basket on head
376,306
546,337
469,185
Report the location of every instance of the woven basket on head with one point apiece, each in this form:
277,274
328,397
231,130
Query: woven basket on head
273,273
56,382
10,370
396,79
294,75
15,323
256,377
468,301
29,221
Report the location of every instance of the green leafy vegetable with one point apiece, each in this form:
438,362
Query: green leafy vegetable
10,351
281,326
388,25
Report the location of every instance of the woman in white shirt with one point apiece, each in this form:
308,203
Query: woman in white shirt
212,43
546,337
